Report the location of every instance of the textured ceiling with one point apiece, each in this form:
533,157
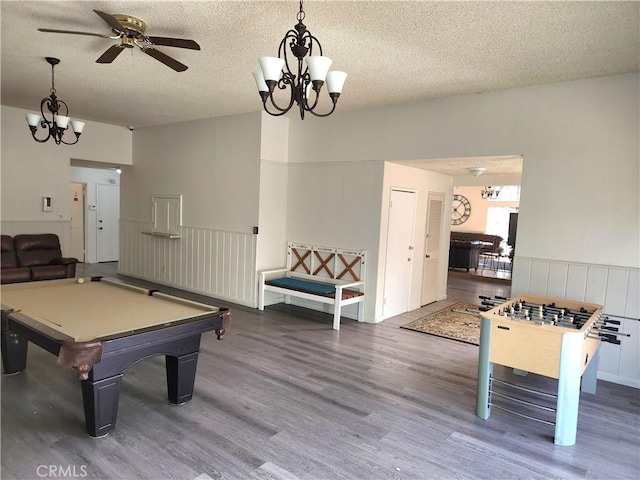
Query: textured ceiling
394,52
459,167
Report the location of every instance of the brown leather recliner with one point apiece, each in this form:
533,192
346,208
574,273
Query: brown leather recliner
40,255
11,272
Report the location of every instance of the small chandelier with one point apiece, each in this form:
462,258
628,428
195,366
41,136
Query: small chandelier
308,78
58,123
490,192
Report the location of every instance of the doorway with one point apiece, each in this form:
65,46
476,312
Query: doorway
108,215
78,202
433,248
397,279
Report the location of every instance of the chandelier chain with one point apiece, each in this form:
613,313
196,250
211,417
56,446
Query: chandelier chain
53,87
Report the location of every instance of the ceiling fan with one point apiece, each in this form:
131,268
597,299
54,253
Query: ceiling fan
130,31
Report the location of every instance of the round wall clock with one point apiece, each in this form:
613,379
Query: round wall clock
460,210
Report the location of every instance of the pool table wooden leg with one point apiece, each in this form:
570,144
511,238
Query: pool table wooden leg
100,399
181,376
14,352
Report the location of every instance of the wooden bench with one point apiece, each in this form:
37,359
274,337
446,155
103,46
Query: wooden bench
333,276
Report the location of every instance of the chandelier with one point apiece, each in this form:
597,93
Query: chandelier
490,192
58,123
306,82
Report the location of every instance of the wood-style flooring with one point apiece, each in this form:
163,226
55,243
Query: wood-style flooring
283,396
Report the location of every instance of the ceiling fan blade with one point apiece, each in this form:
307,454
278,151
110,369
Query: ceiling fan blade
111,54
49,30
111,20
174,42
166,59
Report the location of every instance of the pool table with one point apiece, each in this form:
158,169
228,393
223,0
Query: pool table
101,327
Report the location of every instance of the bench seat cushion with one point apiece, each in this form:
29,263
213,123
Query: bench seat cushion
303,285
316,288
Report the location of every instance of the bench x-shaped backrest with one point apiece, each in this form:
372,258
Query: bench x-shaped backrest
323,263
348,267
301,260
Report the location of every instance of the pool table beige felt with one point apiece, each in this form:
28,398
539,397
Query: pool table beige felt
92,310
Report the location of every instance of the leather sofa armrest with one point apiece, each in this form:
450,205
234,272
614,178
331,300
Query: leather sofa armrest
64,261
68,260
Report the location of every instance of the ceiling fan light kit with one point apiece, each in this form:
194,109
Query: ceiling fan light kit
58,124
276,72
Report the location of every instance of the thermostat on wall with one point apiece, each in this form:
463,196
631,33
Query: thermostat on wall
47,204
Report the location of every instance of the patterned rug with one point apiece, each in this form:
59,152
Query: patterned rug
451,322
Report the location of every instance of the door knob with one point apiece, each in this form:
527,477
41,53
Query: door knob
100,228
428,256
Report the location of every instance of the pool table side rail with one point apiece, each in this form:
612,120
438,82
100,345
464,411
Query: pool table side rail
119,353
223,314
14,321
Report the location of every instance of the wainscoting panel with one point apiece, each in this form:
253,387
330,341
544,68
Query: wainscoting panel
616,288
215,263
576,281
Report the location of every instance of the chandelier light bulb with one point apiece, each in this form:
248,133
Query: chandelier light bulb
33,120
260,83
271,68
335,81
318,67
77,126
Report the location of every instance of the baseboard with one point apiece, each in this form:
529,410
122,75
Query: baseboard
629,382
191,290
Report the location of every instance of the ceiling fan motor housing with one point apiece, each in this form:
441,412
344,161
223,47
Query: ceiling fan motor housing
134,25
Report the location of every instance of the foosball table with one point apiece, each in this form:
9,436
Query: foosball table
550,337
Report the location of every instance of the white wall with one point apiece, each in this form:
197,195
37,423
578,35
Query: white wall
337,204
272,204
212,163
32,170
215,164
580,146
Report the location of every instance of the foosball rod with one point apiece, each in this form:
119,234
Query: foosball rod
567,311
560,310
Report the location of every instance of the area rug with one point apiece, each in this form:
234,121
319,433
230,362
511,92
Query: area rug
460,321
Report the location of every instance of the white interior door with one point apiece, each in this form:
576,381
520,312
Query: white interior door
433,248
397,282
77,220
108,210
